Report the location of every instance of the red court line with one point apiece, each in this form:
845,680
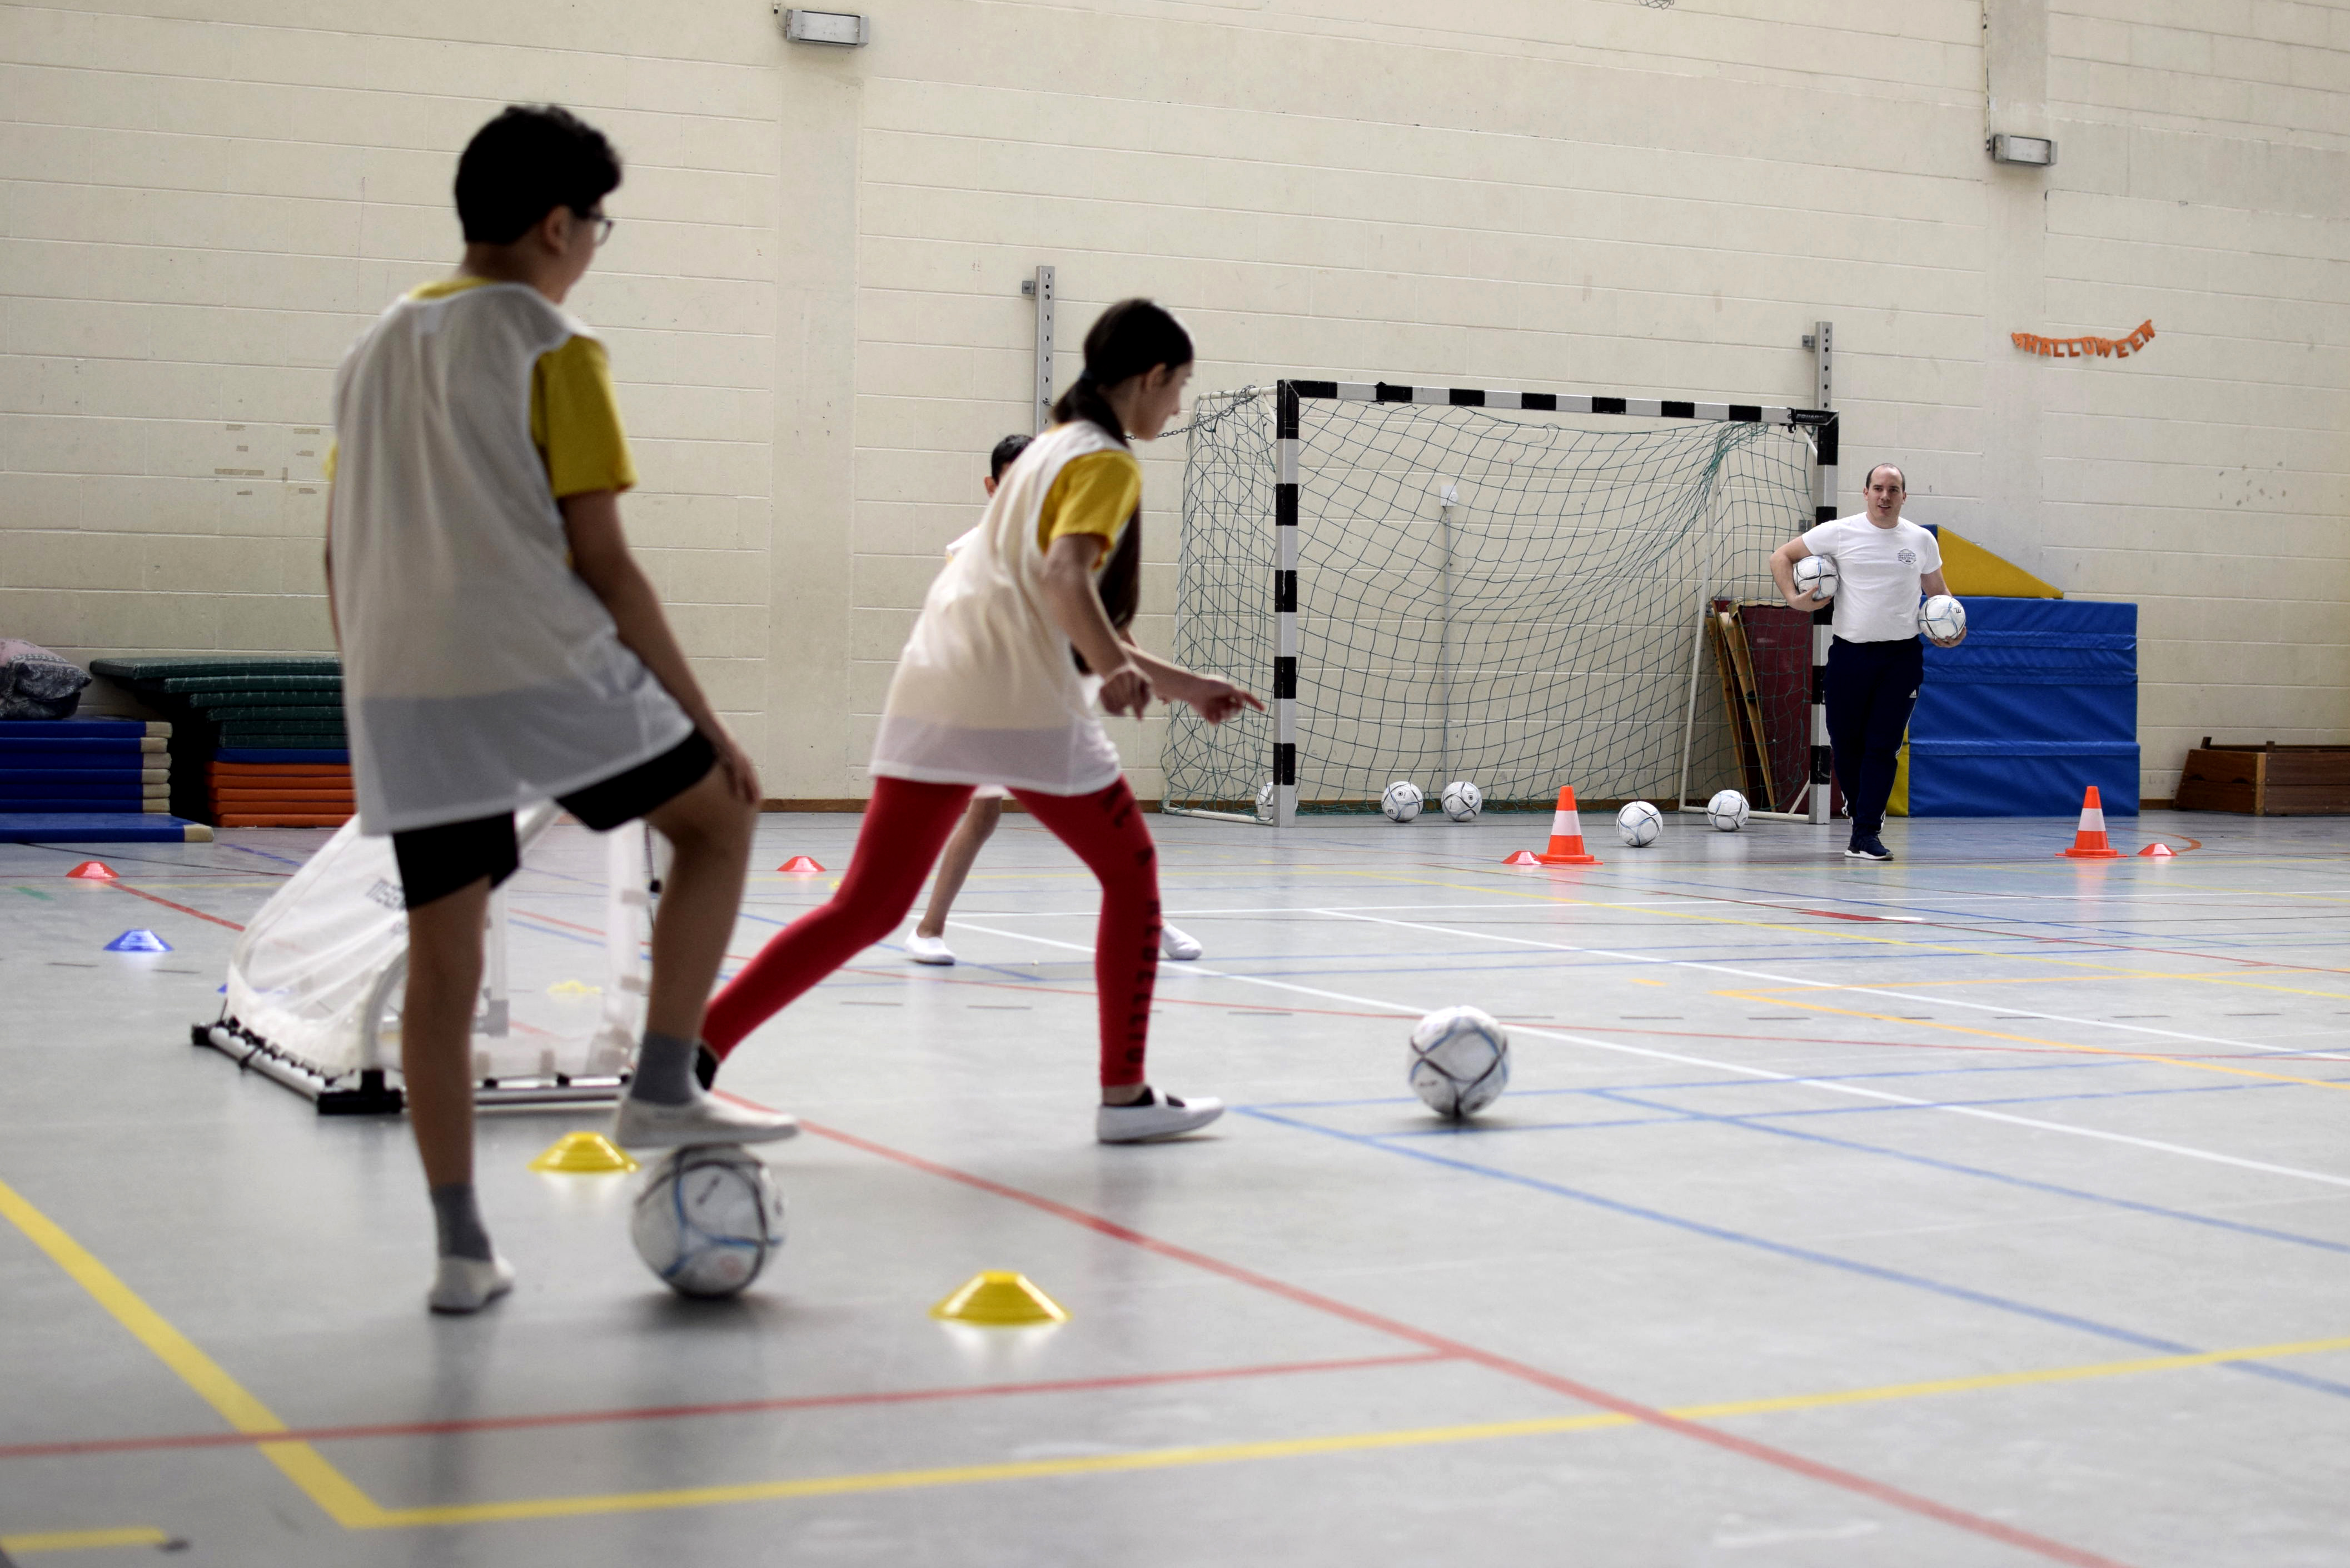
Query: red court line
686,1412
1746,1447
153,899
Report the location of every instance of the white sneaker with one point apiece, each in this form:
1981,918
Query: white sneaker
929,949
705,1118
1154,1116
469,1284
1176,946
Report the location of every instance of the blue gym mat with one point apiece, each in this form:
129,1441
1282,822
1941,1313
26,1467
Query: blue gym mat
2038,703
99,827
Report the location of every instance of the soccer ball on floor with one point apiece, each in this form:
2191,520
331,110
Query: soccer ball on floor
1639,823
1943,619
1462,800
1460,1061
1264,801
1727,811
1817,576
709,1219
1401,802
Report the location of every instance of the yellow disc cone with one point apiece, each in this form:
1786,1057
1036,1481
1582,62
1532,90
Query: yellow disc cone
997,1298
584,1154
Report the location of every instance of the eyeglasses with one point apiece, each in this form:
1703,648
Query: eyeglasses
603,225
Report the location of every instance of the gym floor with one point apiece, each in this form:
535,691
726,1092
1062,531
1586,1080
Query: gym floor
1985,1208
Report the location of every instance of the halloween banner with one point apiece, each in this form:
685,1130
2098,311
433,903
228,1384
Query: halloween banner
2086,348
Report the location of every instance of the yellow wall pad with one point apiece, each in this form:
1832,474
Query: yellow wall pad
1969,569
354,1509
81,1540
325,1485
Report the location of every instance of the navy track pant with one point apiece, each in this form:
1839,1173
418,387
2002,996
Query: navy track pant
1872,686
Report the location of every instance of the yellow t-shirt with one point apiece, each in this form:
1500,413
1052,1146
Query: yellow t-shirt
1094,494
574,418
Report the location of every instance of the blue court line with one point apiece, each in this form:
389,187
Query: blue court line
2027,1183
1458,1129
1804,1254
1789,1081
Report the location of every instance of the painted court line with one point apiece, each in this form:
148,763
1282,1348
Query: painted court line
82,1540
345,1503
2157,1145
88,1446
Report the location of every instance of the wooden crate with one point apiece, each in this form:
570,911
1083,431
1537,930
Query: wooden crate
2267,780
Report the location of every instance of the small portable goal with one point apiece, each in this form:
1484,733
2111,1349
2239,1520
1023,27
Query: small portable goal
315,983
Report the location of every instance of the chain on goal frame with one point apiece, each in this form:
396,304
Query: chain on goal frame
1280,471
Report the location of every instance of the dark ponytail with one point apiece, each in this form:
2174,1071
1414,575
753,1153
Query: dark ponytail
1133,336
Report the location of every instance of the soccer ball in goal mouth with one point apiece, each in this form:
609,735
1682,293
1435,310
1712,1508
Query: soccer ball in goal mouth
708,1220
1817,576
1401,802
1460,1061
1639,823
1943,619
1462,801
1727,811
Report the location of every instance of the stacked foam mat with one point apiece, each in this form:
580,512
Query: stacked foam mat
259,743
88,781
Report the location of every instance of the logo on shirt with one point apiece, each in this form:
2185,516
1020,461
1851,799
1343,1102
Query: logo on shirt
1908,558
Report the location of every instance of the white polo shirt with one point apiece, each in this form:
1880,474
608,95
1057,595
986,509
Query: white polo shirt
1877,575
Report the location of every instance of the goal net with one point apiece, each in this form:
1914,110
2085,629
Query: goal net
1513,590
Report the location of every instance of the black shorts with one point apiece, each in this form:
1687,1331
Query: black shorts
435,862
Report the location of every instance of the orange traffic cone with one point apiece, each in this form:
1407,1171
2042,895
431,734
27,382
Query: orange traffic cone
1566,834
2089,841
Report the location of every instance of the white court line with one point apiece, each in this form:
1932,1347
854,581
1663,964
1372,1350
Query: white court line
1853,1090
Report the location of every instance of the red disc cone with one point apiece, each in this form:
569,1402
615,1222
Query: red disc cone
799,866
94,871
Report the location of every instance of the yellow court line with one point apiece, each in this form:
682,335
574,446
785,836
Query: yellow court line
1781,1000
303,1464
348,1506
2102,971
1299,1447
83,1540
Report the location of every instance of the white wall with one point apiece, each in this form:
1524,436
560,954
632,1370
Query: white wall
813,301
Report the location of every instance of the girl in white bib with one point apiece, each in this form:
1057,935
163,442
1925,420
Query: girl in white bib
992,689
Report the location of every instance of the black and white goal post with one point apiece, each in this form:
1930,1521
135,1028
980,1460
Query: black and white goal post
1494,586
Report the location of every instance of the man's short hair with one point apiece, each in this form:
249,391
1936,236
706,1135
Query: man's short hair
529,160
1007,452
1896,467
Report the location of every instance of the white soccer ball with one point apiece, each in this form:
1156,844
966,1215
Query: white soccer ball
1727,811
1460,1061
1264,801
1401,802
1817,576
1639,823
1462,800
1943,619
709,1219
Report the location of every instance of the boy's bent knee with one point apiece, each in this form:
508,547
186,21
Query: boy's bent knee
708,817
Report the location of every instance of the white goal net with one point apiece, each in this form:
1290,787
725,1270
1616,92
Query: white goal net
1500,588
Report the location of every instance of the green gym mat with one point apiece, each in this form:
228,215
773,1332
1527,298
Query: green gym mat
306,717
184,665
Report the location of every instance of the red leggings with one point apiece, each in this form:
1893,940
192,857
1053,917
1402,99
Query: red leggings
906,826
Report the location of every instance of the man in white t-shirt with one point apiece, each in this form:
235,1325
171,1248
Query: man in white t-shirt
1884,564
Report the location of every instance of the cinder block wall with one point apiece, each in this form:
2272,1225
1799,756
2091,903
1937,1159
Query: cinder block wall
812,300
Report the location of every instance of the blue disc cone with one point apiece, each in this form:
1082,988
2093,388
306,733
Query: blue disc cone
140,940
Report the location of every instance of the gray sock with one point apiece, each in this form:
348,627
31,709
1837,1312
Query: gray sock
458,1219
664,1070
